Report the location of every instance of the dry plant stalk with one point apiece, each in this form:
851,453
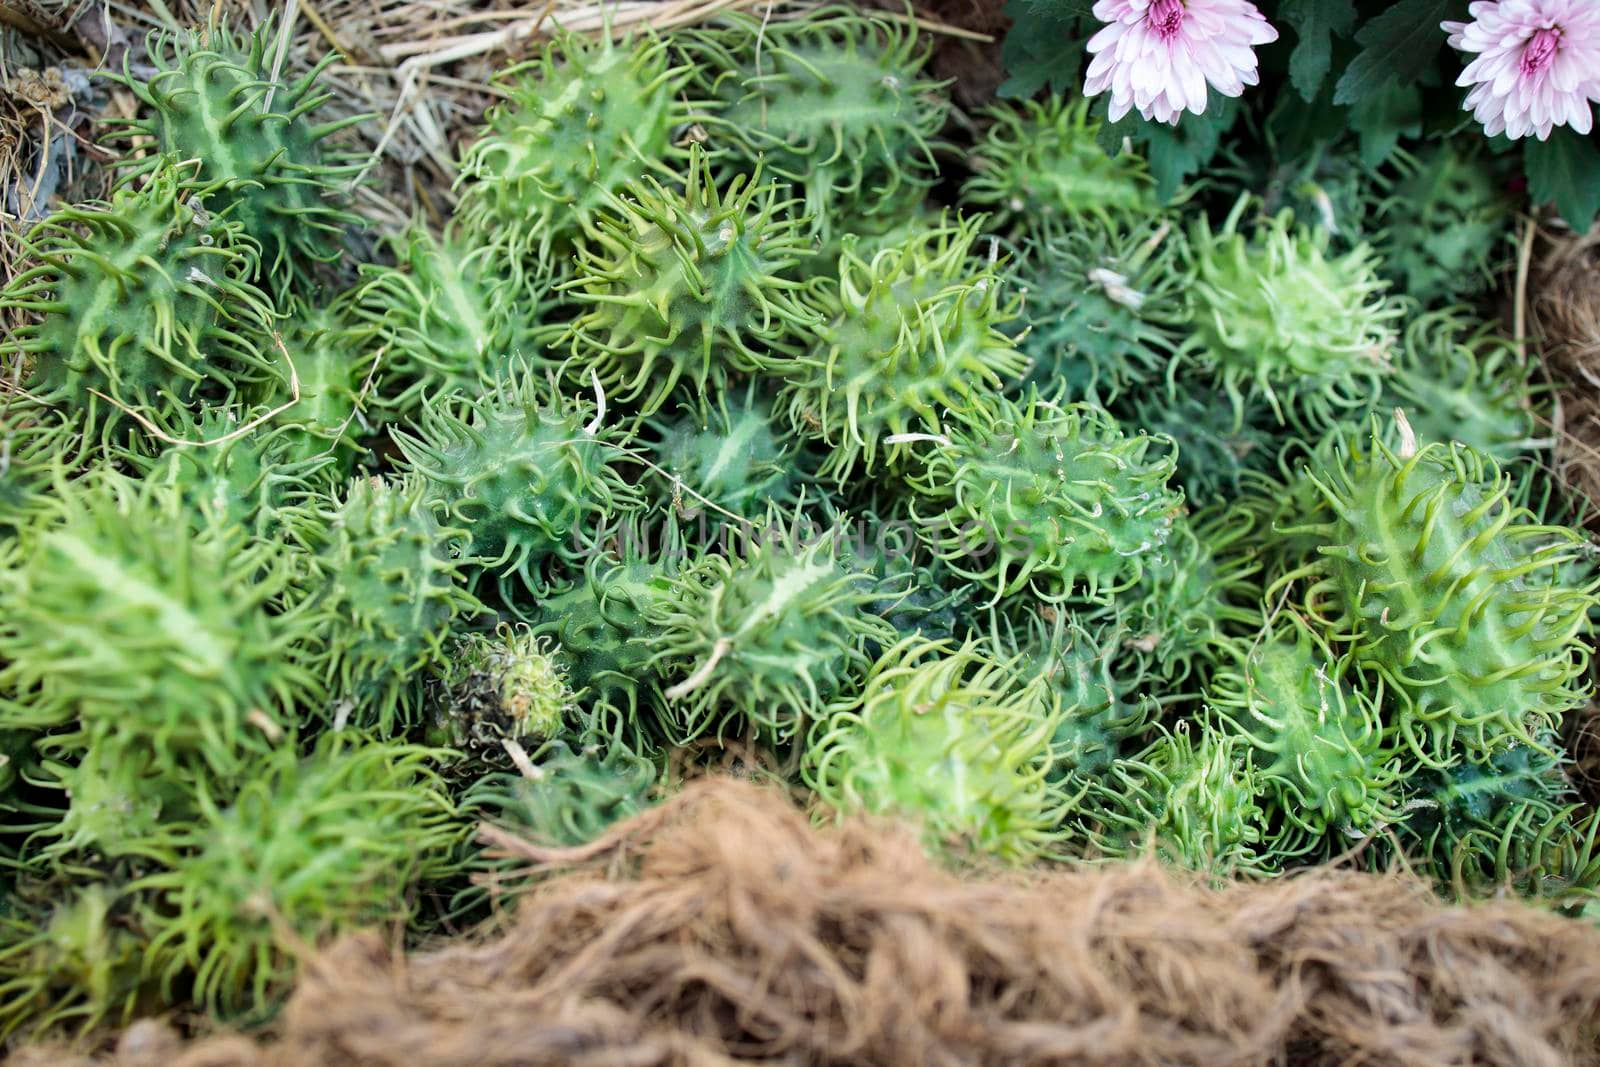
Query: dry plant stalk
727,928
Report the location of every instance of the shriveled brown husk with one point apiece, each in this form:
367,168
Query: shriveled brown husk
1564,299
724,927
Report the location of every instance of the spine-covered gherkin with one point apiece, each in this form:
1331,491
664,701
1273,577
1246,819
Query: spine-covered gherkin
947,738
578,123
773,635
526,476
687,287
1452,593
1059,500
383,590
216,101
835,103
141,308
909,340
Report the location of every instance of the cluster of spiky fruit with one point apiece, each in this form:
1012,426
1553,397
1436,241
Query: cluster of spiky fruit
1054,520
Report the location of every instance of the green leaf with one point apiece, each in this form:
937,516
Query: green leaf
1316,23
1174,152
1565,171
1381,119
1044,48
1397,46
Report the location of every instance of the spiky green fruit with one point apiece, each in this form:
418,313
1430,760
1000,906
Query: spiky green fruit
1098,683
835,103
604,626
144,304
724,459
1219,450
1203,588
771,635
505,686
1288,507
688,286
214,98
1331,190
1514,821
229,475
525,475
865,236
1041,166
1316,728
573,796
309,848
1101,308
910,339
1443,219
383,590
120,804
1452,593
946,738
70,965
917,593
1049,498
1275,316
135,632
35,444
448,320
579,123
1196,799
1463,380
338,363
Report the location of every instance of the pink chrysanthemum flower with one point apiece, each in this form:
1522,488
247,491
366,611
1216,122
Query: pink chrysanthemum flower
1159,55
1538,64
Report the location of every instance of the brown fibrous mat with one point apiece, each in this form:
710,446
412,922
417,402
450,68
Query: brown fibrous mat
1565,309
724,927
